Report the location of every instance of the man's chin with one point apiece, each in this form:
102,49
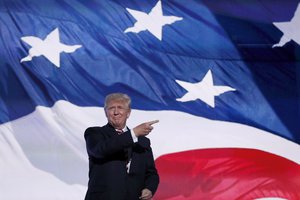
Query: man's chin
118,125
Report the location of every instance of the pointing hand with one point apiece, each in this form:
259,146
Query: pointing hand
144,128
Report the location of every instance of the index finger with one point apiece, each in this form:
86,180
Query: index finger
153,122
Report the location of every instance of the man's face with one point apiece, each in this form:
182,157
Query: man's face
117,112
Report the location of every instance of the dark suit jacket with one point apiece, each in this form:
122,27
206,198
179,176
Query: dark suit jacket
108,177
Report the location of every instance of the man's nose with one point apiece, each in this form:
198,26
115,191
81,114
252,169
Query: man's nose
116,111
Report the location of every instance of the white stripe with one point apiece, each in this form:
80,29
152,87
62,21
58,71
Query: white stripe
179,131
45,150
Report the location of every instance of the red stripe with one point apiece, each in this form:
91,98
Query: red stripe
227,174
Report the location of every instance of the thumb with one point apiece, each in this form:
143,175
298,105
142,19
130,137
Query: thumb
152,122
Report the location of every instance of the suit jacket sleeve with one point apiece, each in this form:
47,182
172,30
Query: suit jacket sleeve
102,142
152,177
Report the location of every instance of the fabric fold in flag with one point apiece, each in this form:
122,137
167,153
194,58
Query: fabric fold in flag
227,174
222,77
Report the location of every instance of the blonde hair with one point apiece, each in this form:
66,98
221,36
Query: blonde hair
117,96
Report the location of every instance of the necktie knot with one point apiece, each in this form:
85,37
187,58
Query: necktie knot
119,131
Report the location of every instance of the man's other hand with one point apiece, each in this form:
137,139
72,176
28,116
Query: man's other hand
146,194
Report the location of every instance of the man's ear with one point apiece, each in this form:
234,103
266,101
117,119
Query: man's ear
128,114
105,113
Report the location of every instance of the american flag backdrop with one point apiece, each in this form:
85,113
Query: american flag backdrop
223,78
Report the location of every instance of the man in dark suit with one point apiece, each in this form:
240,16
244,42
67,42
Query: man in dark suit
121,164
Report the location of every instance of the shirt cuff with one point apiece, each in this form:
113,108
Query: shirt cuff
134,138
